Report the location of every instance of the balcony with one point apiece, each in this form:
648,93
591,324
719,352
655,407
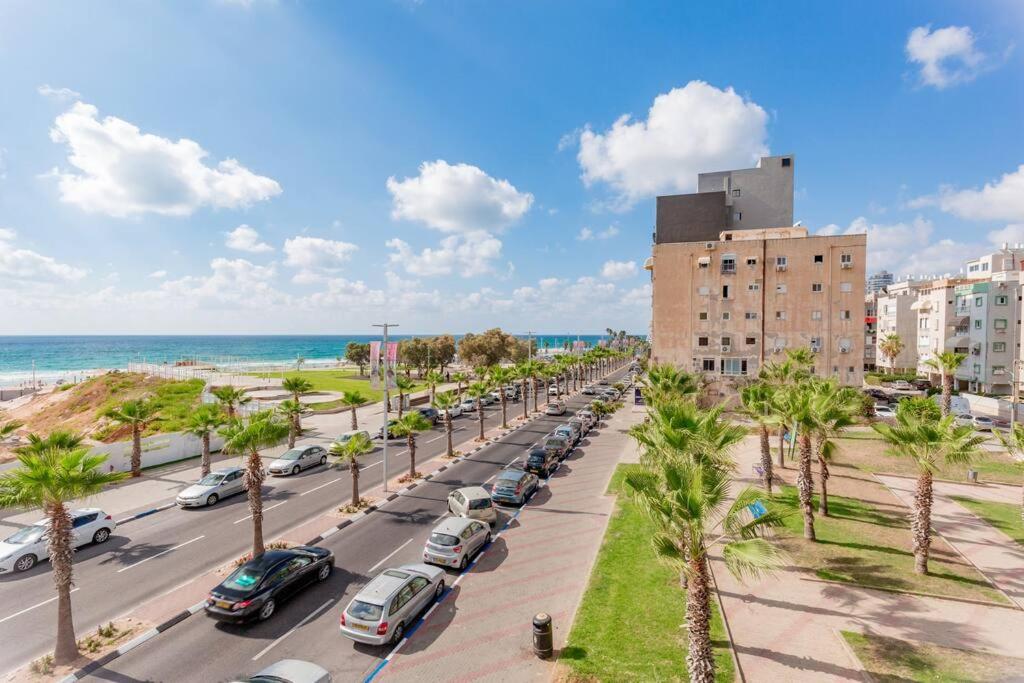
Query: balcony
728,268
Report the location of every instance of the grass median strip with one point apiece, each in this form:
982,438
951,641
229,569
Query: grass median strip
890,660
1003,516
630,623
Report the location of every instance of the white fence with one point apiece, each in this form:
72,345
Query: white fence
156,450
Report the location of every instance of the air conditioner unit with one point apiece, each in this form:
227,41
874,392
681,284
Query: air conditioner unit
726,349
815,348
846,265
709,245
844,349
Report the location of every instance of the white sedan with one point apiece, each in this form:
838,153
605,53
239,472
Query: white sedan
468,406
455,411
27,546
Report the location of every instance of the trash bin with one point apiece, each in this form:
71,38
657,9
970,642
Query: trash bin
972,476
543,645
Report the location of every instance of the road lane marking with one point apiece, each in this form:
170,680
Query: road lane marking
293,629
333,481
393,553
29,609
440,517
264,510
366,467
180,545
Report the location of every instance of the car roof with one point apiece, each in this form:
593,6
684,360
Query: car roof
226,470
512,474
269,559
453,525
383,586
537,451
474,492
354,432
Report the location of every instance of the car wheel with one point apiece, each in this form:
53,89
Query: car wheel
24,563
439,591
325,571
463,563
396,637
323,459
267,610
101,535
212,500
295,470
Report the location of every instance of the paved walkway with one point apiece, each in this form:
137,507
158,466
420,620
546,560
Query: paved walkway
541,563
785,627
995,554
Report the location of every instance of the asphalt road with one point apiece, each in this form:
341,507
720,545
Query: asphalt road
153,555
307,626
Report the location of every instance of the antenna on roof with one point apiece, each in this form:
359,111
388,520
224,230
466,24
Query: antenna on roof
798,224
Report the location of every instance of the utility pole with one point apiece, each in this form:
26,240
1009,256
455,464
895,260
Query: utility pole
529,345
387,406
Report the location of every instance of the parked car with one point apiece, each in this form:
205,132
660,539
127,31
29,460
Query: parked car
581,426
495,396
877,394
559,444
348,436
983,423
902,385
382,610
922,384
213,487
29,545
514,486
455,541
964,420
455,411
297,459
391,424
602,382
429,414
254,590
512,392
588,391
553,390
587,416
568,432
473,502
290,671
555,408
468,405
884,411
488,400
542,462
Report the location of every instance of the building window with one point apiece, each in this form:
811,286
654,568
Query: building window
786,162
781,261
979,301
751,341
1000,323
1001,300
734,366
702,341
703,291
977,369
998,369
846,287
849,369
780,288
815,315
703,262
780,315
844,315
735,193
846,259
751,261
703,315
754,286
815,286
751,315
725,291
977,324
708,365
726,315
973,268
998,346
819,258
738,216
729,263
984,266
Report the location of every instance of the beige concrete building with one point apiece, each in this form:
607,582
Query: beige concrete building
939,326
725,307
897,315
870,327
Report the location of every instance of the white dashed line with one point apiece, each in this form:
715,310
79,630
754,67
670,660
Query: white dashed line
392,554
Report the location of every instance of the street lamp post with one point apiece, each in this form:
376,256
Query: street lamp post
387,406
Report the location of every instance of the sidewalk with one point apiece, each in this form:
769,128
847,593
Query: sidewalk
784,627
540,563
996,555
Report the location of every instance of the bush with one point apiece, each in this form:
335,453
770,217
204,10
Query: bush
880,377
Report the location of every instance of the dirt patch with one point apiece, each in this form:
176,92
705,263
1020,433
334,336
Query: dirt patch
91,647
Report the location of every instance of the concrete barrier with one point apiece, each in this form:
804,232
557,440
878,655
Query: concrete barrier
156,450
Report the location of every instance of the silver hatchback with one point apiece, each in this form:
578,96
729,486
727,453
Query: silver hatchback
455,541
215,486
381,612
297,459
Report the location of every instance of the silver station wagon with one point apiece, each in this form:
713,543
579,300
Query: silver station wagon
297,459
386,607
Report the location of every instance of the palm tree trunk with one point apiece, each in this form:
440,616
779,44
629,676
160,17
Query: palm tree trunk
805,485
823,475
136,449
205,464
947,393
766,461
782,448
504,422
411,440
700,660
354,471
291,434
65,650
526,400
534,394
254,486
448,432
480,416
921,525
355,423
400,402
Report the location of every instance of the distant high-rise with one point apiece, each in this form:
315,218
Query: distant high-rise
879,281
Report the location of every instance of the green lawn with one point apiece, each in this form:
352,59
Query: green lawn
1003,516
173,399
890,660
628,627
870,545
335,380
869,454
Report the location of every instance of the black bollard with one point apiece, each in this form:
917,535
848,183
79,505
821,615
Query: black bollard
543,645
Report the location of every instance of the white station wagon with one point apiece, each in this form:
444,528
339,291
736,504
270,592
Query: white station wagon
21,551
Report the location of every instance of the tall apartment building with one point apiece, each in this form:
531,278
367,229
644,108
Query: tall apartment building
879,281
940,327
993,342
897,315
870,329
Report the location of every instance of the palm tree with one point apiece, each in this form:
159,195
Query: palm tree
946,364
353,399
293,411
528,371
297,386
797,404
500,377
262,430
444,402
757,402
59,439
432,379
522,373
51,478
202,422
929,443
7,428
664,381
477,391
349,452
408,426
680,427
780,376
891,347
404,386
1014,443
687,500
459,378
231,398
136,413
835,408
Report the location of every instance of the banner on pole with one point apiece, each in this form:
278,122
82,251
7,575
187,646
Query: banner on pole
375,364
392,352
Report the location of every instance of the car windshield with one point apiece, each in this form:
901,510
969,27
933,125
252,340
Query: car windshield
444,539
211,479
537,457
291,455
29,534
243,578
365,611
480,504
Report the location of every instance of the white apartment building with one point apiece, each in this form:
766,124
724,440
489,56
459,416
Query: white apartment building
939,326
993,307
896,315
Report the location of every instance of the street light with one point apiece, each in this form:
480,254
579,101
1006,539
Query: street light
387,406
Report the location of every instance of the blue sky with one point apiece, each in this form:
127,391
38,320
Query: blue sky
313,167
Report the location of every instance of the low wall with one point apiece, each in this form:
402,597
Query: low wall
156,450
985,405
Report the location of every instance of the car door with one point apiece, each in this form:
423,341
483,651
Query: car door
235,482
402,607
282,581
83,528
420,594
302,572
479,536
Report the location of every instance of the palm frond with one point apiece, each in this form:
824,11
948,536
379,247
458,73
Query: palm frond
753,558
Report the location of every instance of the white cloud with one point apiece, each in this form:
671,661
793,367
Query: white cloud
244,238
1011,234
24,264
317,253
468,255
999,200
60,94
587,234
3,163
234,282
688,130
618,270
569,139
459,198
120,171
158,274
946,56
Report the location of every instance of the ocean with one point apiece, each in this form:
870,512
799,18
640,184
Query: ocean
66,357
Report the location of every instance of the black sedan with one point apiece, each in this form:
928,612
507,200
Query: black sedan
253,590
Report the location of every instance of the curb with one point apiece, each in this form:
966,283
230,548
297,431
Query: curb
147,513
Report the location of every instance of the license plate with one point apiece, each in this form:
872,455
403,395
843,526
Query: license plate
361,627
435,558
223,605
